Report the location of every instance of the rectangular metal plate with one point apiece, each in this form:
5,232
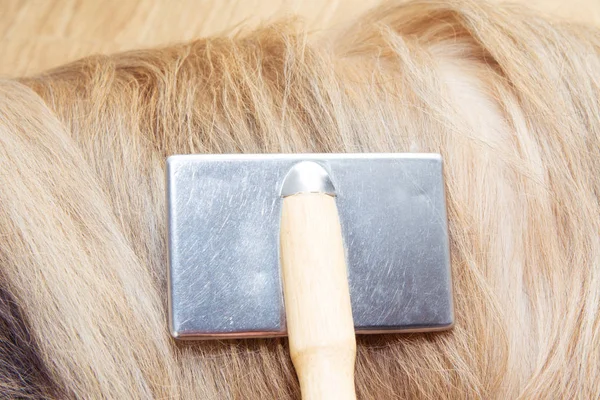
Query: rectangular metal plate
224,216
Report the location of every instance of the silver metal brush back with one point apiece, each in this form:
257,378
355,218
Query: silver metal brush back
224,215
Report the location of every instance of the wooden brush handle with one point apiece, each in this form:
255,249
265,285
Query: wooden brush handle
317,298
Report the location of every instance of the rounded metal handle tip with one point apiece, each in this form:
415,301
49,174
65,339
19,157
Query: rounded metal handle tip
307,177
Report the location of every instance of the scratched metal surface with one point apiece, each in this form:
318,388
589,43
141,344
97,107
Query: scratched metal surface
224,213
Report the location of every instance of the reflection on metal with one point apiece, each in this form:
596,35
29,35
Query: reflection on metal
307,177
224,216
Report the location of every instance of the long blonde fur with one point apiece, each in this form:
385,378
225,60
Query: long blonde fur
509,99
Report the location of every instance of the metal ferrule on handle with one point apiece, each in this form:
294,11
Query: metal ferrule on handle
315,285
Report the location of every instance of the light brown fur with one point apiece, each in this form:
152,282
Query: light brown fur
509,99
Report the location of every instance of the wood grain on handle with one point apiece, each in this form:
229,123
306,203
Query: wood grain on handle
317,299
